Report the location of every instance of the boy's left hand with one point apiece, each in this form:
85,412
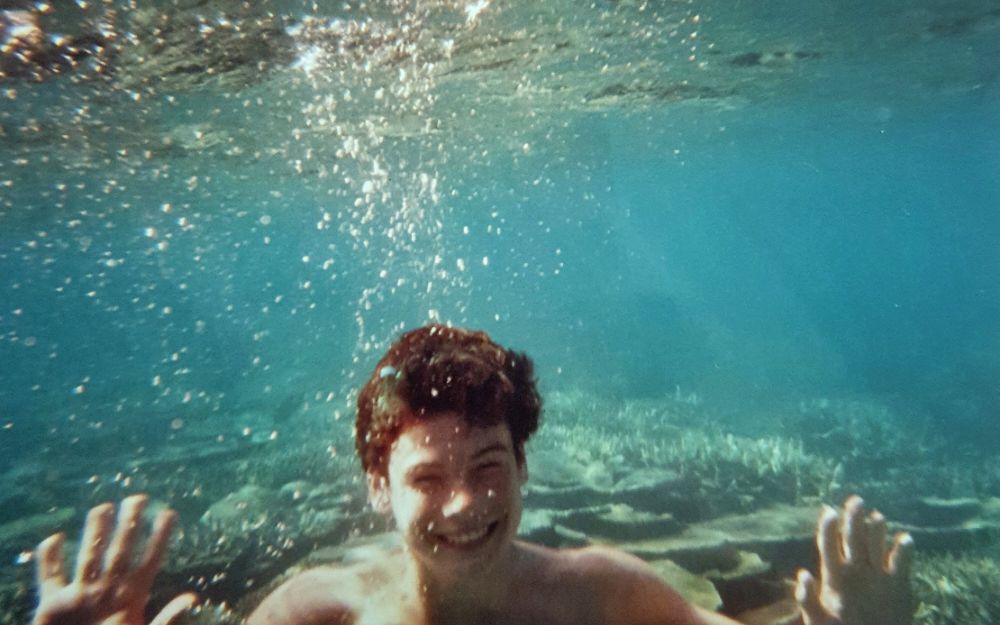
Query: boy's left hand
862,582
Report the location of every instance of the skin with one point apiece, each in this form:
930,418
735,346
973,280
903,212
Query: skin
454,492
862,581
106,587
446,480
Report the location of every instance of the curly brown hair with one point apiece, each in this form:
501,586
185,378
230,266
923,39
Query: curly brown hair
437,369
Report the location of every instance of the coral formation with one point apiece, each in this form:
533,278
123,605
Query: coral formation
210,613
888,450
603,443
661,478
955,589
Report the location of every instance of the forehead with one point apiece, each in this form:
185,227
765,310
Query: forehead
446,435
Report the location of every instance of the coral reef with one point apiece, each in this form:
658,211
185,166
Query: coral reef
32,529
956,589
254,533
889,450
863,432
660,478
210,613
266,502
599,444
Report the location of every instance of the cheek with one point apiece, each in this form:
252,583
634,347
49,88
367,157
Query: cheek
424,508
407,506
501,487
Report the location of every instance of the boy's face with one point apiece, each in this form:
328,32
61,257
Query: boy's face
454,491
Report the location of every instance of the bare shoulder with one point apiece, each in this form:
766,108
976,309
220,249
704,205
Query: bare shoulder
333,595
607,559
596,566
320,595
631,592
610,567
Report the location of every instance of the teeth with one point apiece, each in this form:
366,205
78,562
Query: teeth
462,539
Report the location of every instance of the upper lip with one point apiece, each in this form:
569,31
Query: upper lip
462,531
466,530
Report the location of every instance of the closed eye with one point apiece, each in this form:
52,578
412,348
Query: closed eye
489,467
426,481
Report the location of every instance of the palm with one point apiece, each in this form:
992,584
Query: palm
862,582
107,589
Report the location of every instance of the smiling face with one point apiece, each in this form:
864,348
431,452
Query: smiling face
454,491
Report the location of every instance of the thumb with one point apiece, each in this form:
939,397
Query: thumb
807,596
178,606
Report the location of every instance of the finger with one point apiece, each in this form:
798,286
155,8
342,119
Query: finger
119,555
807,596
855,536
156,547
49,564
876,542
94,542
901,556
831,559
177,607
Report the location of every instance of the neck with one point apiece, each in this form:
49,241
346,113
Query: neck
468,596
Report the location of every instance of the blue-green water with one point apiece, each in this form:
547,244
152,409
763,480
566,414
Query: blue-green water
232,255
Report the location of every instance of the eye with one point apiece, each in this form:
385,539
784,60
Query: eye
489,467
426,482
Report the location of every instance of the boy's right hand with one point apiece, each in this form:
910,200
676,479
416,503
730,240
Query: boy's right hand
107,588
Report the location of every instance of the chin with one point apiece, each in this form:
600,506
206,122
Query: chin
470,546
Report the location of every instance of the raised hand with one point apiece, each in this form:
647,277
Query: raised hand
108,587
862,581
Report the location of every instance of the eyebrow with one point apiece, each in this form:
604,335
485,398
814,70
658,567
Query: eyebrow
432,465
420,468
490,449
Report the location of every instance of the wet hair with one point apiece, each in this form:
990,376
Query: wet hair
436,369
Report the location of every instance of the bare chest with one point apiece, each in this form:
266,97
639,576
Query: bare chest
539,607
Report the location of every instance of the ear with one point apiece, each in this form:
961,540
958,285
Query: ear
378,493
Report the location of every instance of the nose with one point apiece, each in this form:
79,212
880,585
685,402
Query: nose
460,501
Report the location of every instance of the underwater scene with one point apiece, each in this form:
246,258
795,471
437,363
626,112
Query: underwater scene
753,249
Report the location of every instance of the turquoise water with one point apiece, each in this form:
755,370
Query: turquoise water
803,210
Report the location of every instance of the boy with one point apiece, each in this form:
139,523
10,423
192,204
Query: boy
440,432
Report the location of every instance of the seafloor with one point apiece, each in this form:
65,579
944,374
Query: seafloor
726,517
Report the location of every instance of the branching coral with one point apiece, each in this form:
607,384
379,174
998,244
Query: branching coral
210,614
866,431
15,602
955,590
728,471
886,450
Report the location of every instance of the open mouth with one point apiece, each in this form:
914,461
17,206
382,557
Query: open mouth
468,539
